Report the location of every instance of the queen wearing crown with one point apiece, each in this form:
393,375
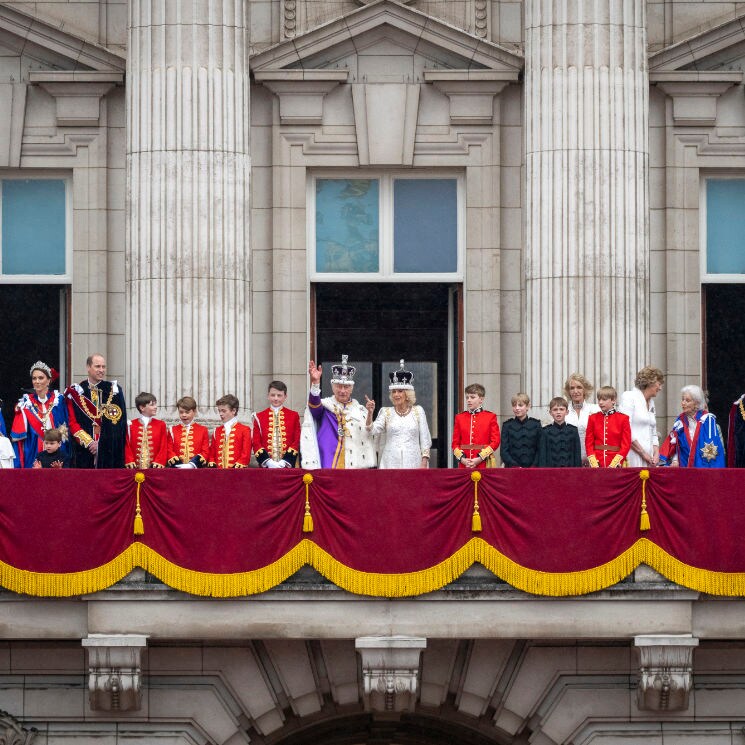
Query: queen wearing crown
335,429
36,412
401,430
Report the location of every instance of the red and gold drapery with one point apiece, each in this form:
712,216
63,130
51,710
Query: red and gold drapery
383,533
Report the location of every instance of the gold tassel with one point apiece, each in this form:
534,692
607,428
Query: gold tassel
644,520
476,518
139,528
307,518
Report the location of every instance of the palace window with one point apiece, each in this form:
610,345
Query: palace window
723,225
34,239
383,227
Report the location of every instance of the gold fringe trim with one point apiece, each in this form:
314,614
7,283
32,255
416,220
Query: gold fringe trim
554,584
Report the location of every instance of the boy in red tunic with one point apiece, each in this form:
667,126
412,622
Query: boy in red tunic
190,442
231,442
146,445
276,431
608,434
475,432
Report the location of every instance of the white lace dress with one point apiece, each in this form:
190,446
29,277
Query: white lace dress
402,441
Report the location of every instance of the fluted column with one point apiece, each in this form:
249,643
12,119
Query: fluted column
188,318
587,245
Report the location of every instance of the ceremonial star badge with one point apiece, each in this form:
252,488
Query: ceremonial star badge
709,451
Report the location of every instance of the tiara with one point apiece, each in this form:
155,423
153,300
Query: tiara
343,373
39,365
401,379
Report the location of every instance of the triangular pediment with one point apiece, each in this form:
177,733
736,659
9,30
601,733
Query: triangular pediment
50,48
717,49
389,31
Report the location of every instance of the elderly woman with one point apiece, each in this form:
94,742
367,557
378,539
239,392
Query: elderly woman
578,389
36,413
401,430
638,405
695,441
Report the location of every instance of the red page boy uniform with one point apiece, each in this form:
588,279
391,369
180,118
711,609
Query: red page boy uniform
607,439
476,435
276,437
190,445
147,444
231,445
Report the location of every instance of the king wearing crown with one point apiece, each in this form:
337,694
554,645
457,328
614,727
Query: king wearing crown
334,433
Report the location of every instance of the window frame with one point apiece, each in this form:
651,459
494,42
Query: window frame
705,276
386,225
41,279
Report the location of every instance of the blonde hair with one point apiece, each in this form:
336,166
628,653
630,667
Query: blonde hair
583,381
410,396
521,398
607,391
649,376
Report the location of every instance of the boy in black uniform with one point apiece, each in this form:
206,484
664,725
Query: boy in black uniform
559,446
520,436
52,456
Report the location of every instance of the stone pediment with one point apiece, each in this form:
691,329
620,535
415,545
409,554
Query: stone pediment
408,40
50,48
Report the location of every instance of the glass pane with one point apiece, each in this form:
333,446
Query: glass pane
346,225
425,387
425,224
33,232
362,379
725,226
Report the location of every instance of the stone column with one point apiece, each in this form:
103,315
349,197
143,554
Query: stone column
587,146
188,164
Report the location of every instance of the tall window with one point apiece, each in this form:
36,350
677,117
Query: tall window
723,257
34,244
384,227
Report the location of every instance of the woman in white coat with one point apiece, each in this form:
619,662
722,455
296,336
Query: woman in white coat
638,405
578,390
401,430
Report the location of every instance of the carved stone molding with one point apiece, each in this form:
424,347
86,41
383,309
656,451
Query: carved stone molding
666,671
481,18
114,671
301,92
471,92
77,94
390,671
695,94
12,733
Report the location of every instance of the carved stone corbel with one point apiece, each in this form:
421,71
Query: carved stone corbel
12,733
390,671
114,671
666,671
695,93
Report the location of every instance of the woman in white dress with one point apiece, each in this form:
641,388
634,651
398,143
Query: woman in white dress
578,389
401,430
638,405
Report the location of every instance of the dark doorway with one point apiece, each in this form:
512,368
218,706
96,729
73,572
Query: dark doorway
724,376
33,328
378,324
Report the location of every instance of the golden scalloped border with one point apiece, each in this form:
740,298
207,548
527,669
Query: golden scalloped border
553,584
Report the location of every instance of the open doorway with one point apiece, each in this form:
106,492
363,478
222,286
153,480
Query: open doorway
378,324
34,328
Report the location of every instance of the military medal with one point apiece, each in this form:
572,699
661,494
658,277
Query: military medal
709,451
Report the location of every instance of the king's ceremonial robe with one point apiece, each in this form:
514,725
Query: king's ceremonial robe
276,437
476,434
736,434
335,435
607,439
147,444
98,413
190,443
233,451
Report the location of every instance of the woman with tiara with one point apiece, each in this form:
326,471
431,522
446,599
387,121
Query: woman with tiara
37,412
401,430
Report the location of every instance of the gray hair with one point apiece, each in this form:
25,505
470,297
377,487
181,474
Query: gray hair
696,393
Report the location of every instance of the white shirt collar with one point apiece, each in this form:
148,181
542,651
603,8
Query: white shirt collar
275,409
145,420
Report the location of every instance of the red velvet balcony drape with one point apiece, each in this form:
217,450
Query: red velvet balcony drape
386,533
